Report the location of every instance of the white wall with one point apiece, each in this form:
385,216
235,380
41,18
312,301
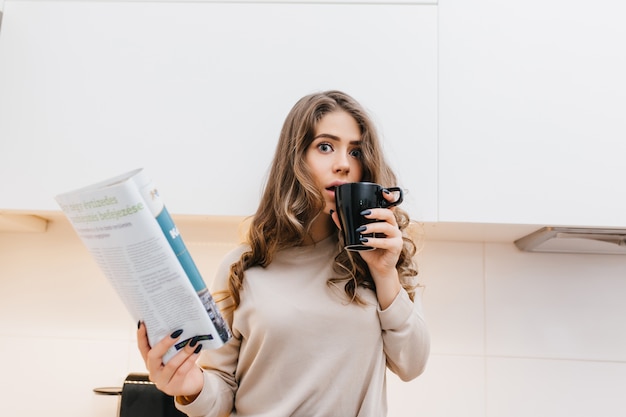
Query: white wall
513,333
531,104
196,93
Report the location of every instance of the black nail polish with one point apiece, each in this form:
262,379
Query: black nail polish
176,334
366,212
139,324
193,342
363,239
386,191
198,349
331,211
361,229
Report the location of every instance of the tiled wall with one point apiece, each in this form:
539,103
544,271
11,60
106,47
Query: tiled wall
520,335
513,334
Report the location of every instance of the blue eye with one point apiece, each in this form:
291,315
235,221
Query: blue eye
325,147
356,153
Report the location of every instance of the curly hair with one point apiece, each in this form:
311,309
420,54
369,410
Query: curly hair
291,201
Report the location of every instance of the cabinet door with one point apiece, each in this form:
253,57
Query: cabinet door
196,93
532,112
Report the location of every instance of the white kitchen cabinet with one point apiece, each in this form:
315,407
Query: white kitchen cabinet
532,112
196,93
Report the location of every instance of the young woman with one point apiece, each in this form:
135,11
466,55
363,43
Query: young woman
314,326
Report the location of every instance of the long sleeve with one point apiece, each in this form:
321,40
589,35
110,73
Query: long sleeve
217,396
301,348
215,400
406,338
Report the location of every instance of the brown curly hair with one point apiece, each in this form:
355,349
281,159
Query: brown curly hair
291,200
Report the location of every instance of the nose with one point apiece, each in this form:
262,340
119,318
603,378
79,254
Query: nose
341,163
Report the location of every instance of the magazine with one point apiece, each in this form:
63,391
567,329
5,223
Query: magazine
130,234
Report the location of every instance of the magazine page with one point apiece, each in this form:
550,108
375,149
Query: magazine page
128,231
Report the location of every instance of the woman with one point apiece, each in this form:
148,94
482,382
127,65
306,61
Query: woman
314,326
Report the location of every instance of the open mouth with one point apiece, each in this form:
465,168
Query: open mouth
332,190
333,187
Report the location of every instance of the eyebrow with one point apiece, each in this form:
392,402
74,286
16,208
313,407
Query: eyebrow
336,138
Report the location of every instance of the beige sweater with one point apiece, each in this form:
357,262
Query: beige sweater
301,349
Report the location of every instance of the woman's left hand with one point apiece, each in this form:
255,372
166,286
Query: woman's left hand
382,261
387,248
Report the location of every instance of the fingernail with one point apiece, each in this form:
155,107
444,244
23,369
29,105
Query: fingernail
361,229
198,349
176,334
366,212
386,191
331,211
363,239
139,324
193,342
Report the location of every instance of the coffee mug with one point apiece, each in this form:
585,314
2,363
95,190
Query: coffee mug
351,199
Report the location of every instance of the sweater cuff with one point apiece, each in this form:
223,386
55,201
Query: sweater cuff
397,314
204,401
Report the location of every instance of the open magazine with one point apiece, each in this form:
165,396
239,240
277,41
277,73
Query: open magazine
130,234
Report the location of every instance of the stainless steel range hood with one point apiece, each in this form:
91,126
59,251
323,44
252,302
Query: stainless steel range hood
575,240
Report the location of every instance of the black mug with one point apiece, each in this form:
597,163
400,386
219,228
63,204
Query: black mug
351,199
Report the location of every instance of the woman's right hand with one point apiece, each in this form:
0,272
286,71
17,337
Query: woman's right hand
180,376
